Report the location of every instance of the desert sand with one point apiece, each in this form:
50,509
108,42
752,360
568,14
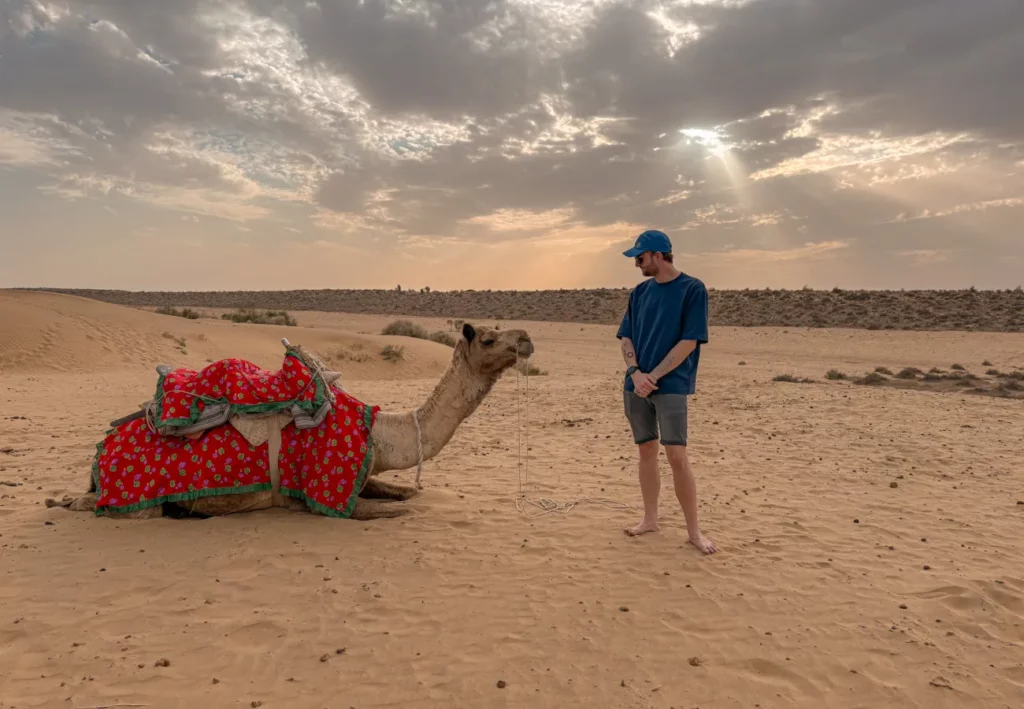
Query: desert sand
870,536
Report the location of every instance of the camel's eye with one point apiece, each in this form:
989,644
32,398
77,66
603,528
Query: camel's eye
487,341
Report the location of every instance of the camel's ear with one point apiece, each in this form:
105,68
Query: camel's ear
468,332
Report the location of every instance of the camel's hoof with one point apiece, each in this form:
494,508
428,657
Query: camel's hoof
85,503
372,509
380,490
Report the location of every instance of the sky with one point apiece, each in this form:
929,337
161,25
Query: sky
510,144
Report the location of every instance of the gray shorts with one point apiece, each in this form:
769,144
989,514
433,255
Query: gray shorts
658,412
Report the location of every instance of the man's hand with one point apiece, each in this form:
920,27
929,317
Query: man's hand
644,384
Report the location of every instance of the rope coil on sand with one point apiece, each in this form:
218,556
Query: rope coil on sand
545,504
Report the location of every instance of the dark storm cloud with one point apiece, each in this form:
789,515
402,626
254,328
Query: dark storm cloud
442,58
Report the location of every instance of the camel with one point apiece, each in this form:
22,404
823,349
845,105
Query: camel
400,440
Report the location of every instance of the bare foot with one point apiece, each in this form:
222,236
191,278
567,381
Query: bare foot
705,545
642,528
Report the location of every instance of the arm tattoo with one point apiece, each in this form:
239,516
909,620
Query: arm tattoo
628,353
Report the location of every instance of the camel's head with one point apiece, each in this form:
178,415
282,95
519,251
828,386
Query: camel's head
491,351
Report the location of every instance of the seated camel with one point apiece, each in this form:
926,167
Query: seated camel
320,451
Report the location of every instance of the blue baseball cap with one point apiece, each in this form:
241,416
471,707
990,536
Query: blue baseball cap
650,240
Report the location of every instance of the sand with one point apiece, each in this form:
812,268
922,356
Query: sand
833,588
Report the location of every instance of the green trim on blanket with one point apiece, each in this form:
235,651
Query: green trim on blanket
357,485
96,462
187,496
194,412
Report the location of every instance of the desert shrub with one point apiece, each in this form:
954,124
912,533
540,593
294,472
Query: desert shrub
348,354
260,317
908,373
742,363
883,370
986,363
1018,375
790,378
958,367
444,338
404,328
393,353
873,378
535,371
993,372
188,313
1011,385
834,374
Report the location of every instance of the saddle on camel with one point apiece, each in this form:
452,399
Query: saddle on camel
234,428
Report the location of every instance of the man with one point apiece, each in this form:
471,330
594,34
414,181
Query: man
662,330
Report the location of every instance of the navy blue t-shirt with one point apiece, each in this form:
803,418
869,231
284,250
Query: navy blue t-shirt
658,316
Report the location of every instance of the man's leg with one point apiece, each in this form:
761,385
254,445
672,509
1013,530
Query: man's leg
644,423
686,493
650,487
673,419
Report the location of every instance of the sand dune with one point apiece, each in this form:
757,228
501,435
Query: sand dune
870,538
44,332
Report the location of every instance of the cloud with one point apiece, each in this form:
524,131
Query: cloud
414,127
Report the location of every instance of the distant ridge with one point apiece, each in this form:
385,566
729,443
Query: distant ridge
971,309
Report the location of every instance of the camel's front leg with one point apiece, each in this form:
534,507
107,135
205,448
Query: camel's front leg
85,503
378,489
372,509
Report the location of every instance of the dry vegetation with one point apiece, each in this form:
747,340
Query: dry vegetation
406,328
1006,385
971,309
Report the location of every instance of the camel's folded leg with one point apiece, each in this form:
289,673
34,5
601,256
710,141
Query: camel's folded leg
85,503
374,488
372,509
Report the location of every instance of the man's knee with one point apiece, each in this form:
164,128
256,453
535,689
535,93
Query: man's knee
676,455
649,449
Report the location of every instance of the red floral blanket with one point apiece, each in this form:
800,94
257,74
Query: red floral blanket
135,468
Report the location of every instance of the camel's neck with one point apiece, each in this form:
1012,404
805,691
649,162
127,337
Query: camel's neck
456,396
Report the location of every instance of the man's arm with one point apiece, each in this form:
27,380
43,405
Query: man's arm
628,353
694,329
676,356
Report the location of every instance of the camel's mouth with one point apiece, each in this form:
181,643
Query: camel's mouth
524,348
